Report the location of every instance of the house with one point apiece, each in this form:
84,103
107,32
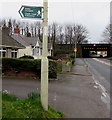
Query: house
33,46
8,46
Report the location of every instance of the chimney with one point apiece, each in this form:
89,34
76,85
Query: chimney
16,30
28,34
5,29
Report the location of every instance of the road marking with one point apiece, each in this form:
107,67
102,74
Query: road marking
54,98
104,62
104,97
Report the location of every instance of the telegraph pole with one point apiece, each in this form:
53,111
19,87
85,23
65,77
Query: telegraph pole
75,49
44,61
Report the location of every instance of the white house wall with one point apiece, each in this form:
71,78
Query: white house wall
29,51
26,51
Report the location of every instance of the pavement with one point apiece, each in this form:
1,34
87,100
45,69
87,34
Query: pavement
74,93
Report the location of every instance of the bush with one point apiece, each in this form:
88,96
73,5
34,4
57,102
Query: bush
72,58
52,69
27,57
18,65
54,58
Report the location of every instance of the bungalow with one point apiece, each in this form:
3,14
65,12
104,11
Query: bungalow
8,46
33,46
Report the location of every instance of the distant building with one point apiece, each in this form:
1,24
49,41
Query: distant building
8,46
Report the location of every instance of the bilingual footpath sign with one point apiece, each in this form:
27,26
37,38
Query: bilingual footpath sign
30,12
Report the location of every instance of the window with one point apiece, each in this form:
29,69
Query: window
40,51
49,52
14,53
2,52
35,51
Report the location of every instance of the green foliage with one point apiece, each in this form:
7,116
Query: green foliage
72,58
8,97
33,95
52,69
18,65
26,108
110,58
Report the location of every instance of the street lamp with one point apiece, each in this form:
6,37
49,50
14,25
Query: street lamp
75,49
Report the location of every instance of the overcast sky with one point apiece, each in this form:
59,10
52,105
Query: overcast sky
95,16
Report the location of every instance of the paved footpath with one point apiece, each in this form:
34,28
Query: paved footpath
74,93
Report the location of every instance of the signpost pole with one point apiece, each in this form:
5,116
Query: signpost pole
75,49
44,61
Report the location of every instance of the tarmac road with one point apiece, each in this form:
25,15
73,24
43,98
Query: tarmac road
73,93
101,71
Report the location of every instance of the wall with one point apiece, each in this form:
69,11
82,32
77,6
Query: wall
26,51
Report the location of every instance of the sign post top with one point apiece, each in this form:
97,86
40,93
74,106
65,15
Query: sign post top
30,12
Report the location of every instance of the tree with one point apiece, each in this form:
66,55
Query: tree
38,30
60,36
107,34
54,29
80,34
68,34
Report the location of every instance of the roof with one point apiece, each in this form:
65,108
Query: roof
8,41
26,41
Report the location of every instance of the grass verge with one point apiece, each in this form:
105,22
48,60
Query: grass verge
13,107
110,58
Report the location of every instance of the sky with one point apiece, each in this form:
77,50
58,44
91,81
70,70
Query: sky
92,14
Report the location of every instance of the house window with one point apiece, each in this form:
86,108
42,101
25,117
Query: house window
35,50
40,51
2,52
14,53
49,52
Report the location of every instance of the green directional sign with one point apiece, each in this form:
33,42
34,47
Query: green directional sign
30,12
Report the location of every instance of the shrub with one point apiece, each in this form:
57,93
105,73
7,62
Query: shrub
27,57
18,65
72,58
14,64
52,69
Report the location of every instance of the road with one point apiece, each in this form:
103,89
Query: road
100,70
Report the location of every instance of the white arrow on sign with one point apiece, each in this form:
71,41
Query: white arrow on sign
21,11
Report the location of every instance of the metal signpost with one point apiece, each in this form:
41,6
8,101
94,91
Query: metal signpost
36,12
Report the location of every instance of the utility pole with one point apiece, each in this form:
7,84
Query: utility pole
75,49
44,61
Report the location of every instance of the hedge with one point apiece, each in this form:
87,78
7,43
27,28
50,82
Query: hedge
14,64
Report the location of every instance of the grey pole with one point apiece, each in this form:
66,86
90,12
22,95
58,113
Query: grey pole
75,49
44,61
